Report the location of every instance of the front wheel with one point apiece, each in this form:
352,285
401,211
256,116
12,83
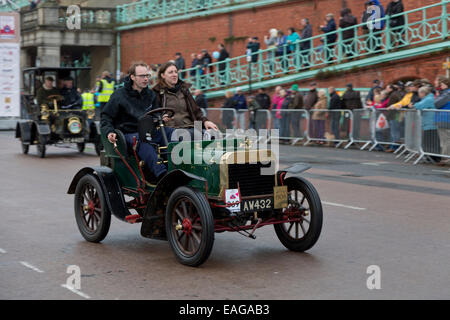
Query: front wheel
41,150
91,212
189,226
305,208
25,148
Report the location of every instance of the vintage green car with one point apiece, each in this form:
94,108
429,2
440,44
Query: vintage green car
49,123
219,186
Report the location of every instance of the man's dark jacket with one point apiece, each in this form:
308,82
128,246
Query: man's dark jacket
310,99
335,101
71,98
347,21
125,107
307,33
330,27
222,57
263,100
351,100
394,8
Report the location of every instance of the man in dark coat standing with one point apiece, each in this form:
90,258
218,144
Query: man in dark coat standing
335,104
180,64
311,97
396,23
347,20
305,44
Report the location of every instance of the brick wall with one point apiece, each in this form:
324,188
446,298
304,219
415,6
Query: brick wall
157,44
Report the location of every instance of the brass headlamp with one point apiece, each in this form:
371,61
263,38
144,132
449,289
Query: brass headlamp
44,112
74,125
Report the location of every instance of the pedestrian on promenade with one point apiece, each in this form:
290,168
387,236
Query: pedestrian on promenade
396,23
306,42
329,29
347,20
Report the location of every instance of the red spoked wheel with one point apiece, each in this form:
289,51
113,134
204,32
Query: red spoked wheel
189,226
305,208
91,212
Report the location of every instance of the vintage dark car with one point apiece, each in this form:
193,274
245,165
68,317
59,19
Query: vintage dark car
52,122
220,185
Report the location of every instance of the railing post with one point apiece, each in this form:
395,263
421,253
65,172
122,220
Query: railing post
444,19
388,34
260,65
197,77
340,44
164,5
227,71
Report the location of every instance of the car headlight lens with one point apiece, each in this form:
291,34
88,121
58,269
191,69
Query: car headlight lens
90,114
74,125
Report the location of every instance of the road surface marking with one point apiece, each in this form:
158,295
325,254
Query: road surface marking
78,292
26,264
342,205
2,251
374,163
445,171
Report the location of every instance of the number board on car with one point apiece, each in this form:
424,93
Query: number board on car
251,205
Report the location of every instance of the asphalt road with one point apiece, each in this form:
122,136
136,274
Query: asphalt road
378,211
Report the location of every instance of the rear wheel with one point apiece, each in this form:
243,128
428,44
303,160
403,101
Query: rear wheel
80,147
189,226
305,208
91,212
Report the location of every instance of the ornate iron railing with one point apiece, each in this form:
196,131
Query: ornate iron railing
420,27
158,9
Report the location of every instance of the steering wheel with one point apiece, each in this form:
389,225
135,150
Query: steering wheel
56,96
169,111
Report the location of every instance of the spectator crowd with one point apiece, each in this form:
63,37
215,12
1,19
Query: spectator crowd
390,101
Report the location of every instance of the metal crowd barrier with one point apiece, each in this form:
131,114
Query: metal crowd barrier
329,126
436,134
393,134
292,123
363,127
415,133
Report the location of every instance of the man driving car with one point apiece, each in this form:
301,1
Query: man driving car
123,111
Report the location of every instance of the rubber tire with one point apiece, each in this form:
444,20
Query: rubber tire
81,146
41,150
204,210
315,214
25,148
105,220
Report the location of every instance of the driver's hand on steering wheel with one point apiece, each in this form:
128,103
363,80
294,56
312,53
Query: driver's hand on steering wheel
210,125
112,137
166,118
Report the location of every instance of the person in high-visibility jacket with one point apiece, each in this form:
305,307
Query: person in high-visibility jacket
105,88
88,100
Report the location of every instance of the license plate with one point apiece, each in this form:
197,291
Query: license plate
252,205
73,140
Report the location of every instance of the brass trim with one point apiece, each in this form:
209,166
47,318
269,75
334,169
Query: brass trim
241,157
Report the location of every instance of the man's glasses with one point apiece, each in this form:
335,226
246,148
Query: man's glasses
143,76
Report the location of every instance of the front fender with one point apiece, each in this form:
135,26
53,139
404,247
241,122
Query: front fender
293,171
111,189
23,131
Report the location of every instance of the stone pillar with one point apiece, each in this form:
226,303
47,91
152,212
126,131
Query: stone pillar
49,56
